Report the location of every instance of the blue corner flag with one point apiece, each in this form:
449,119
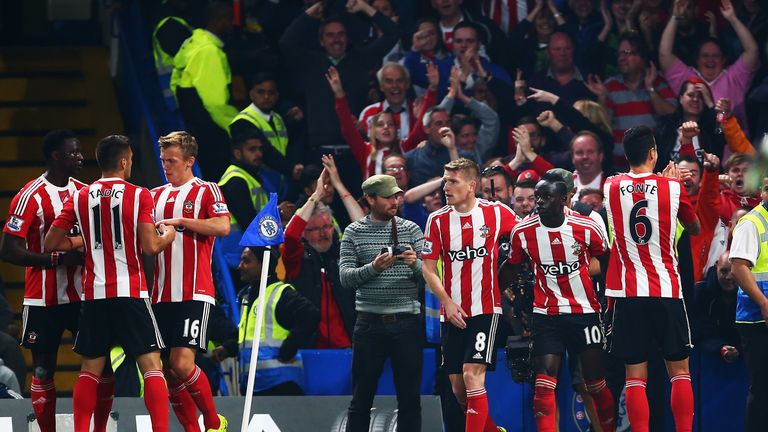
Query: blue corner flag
266,229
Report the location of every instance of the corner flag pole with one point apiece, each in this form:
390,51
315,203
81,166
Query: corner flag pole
256,339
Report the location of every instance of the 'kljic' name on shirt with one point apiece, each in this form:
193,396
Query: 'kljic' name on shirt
643,188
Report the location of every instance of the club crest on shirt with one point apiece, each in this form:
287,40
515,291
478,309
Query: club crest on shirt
220,208
188,206
577,248
14,224
427,247
485,232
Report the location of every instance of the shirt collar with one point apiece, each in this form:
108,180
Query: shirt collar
265,116
576,73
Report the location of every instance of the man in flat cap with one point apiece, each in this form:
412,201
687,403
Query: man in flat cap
379,261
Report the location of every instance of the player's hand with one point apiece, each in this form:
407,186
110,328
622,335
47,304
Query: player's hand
71,258
409,257
383,261
175,222
166,231
455,314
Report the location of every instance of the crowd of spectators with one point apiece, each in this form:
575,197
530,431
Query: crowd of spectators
341,91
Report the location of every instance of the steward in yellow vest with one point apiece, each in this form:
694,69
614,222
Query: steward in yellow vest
261,115
167,38
242,183
289,323
200,81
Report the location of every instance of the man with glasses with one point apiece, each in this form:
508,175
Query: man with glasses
260,114
637,95
311,255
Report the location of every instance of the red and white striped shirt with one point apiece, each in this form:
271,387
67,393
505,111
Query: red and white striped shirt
560,258
183,269
643,210
31,214
468,245
109,213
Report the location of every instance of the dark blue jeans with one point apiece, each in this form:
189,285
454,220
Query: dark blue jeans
373,340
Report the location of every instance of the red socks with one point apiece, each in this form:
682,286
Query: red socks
84,400
105,393
156,400
603,403
544,405
200,390
477,410
43,395
637,404
184,407
682,402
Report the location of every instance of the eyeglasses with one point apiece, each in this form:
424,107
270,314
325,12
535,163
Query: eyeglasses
316,230
627,52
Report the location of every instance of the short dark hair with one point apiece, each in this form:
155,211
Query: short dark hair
526,184
527,120
309,174
239,141
458,121
326,22
261,77
638,142
638,43
493,170
258,252
469,24
109,151
591,191
54,139
557,180
692,159
217,10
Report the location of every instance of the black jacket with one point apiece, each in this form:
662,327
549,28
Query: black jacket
309,282
293,312
666,135
311,66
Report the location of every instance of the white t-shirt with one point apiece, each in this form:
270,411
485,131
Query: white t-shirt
746,242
